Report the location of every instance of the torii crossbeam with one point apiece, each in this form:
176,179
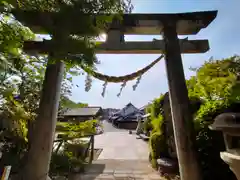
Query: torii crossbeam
134,47
169,25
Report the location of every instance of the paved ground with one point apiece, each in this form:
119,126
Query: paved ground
109,128
118,144
123,157
122,146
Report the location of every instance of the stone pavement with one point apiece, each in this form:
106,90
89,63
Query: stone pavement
122,146
123,158
119,170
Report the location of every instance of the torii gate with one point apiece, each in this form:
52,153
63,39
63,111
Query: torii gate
170,26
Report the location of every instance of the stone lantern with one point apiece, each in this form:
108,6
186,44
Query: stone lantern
229,124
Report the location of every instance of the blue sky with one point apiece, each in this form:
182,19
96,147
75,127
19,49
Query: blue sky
223,35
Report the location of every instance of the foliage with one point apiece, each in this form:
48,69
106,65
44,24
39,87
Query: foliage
21,79
22,75
216,79
154,126
154,148
154,123
73,154
155,108
69,39
157,124
147,126
216,82
214,90
210,143
77,129
64,163
85,6
75,44
13,150
157,148
19,74
12,35
13,75
77,149
67,103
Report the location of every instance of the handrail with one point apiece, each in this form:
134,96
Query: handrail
92,150
71,138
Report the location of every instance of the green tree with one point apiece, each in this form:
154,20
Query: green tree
65,102
217,84
213,90
21,78
216,80
61,32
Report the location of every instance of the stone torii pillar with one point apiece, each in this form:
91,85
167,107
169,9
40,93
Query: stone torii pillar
178,95
44,129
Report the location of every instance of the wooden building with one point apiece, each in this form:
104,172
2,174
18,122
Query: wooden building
127,118
81,114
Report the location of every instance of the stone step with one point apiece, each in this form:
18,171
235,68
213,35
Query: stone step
121,176
119,170
130,165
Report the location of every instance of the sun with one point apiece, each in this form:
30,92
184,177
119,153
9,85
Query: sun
102,37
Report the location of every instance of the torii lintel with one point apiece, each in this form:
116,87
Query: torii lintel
137,24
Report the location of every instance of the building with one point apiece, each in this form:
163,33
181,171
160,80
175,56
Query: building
81,114
127,118
128,109
108,112
144,108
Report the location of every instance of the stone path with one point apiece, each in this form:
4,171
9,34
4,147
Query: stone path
121,146
123,158
120,170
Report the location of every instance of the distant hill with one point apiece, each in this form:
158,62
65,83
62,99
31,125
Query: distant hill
66,103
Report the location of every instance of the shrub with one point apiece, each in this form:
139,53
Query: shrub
154,127
157,147
210,143
13,150
64,163
147,126
157,143
75,130
87,127
156,107
214,90
154,122
70,159
157,123
77,149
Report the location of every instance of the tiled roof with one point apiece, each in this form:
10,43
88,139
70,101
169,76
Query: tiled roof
86,111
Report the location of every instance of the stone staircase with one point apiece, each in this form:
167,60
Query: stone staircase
119,170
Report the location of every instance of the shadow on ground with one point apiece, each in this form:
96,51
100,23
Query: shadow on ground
91,172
